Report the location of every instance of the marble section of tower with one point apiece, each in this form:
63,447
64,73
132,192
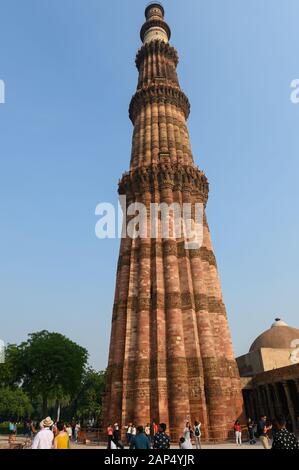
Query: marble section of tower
171,355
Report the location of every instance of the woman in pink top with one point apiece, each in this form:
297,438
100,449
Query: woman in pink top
110,435
238,432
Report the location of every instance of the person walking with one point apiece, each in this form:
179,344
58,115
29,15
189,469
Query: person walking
161,439
109,435
44,438
140,441
250,428
116,437
62,440
197,434
284,439
262,432
238,432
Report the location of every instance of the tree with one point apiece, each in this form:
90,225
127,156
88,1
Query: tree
14,404
51,366
9,369
88,402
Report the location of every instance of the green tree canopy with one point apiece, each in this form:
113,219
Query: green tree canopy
8,370
50,365
14,404
88,402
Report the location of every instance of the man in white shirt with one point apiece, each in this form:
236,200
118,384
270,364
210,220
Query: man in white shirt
44,438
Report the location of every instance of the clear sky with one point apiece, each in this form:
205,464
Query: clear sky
65,140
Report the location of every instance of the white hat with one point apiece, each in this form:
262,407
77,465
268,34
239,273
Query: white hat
47,422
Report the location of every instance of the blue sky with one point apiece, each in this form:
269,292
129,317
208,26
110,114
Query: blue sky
65,140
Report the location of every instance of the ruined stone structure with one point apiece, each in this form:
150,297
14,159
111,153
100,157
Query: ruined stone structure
171,356
270,375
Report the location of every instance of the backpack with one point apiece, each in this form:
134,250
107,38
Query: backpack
197,431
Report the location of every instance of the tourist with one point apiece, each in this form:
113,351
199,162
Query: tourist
109,435
134,431
62,440
69,431
238,432
187,434
116,437
76,431
289,424
11,427
161,439
153,430
44,438
185,444
284,439
73,425
27,429
33,429
140,441
197,434
54,429
90,424
147,430
113,446
262,432
129,433
250,427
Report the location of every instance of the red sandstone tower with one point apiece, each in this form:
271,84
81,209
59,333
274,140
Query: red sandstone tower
171,355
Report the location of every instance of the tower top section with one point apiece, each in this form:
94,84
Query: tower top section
154,9
155,27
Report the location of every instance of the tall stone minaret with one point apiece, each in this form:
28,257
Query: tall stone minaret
171,357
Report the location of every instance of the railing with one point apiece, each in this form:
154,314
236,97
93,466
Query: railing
90,435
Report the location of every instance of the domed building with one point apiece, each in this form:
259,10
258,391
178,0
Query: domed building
270,374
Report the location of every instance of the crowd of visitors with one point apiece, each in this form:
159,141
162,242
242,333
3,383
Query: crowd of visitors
47,434
55,435
273,434
152,436
58,435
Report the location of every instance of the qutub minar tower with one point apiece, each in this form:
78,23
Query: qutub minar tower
171,357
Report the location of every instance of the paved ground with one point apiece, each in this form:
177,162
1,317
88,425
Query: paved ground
230,445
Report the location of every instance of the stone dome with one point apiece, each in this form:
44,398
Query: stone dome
279,336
